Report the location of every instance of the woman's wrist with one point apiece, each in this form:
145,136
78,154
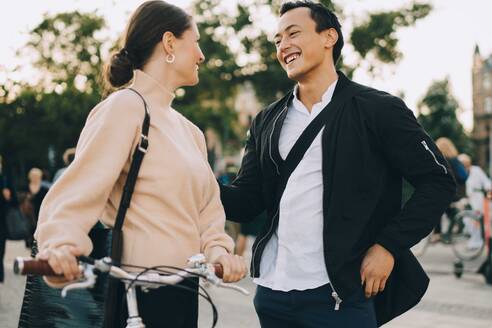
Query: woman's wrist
212,254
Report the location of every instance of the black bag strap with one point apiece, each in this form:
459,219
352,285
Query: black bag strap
138,156
309,134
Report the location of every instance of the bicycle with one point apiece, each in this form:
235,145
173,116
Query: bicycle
149,278
465,234
478,240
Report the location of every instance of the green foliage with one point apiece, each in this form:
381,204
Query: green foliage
438,116
34,123
67,50
210,104
39,121
378,34
375,36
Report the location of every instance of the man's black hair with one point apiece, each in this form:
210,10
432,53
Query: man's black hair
324,19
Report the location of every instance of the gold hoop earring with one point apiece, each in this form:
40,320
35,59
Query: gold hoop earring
170,58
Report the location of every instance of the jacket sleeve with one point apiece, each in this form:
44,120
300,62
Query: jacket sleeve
412,153
243,199
76,201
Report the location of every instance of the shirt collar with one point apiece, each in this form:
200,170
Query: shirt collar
325,100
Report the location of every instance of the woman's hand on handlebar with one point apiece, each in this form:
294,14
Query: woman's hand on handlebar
234,267
63,261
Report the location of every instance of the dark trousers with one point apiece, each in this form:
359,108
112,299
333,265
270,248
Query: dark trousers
167,306
313,308
450,213
2,254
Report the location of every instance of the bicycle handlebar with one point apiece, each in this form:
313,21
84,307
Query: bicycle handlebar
150,277
25,266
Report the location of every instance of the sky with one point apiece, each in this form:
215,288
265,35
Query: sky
438,46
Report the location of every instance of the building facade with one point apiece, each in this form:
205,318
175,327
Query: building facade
482,108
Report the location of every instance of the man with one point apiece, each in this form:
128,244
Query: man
5,198
335,230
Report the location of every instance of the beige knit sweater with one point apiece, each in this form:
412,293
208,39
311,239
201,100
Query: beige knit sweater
175,210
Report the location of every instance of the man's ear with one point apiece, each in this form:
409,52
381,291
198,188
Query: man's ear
331,37
168,40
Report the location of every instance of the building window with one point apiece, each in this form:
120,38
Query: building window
486,82
488,105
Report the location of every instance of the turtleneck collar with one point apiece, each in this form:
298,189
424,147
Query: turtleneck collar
153,91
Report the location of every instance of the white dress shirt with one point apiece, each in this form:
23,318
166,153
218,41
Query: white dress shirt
293,258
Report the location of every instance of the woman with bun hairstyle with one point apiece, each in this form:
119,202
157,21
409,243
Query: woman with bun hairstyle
175,210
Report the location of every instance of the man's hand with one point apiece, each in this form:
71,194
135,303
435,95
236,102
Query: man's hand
375,269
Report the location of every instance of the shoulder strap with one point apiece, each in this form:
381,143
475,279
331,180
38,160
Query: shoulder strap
309,134
138,156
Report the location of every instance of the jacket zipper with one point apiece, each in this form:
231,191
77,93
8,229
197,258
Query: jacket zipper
334,293
261,240
335,296
278,172
434,156
271,135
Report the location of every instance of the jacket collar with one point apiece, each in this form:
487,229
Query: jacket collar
279,118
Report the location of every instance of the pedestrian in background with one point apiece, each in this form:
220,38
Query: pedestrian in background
450,153
7,198
477,184
68,157
37,190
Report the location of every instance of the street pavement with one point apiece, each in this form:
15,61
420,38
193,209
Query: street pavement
448,303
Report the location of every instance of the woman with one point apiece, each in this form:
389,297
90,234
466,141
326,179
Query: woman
36,190
449,151
175,211
31,198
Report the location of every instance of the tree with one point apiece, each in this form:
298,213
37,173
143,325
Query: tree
438,110
373,39
68,52
210,105
40,120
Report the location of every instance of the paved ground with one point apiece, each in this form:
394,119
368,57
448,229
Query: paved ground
449,302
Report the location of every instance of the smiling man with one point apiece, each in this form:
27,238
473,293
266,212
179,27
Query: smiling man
326,162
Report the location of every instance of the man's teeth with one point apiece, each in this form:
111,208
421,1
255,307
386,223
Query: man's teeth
291,58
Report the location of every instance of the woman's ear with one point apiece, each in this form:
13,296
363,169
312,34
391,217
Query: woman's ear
168,40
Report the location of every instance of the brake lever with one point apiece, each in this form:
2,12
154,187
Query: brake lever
216,281
88,282
233,287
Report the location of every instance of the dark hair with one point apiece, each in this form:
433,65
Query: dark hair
324,19
144,31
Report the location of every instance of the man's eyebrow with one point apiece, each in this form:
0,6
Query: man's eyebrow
286,29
